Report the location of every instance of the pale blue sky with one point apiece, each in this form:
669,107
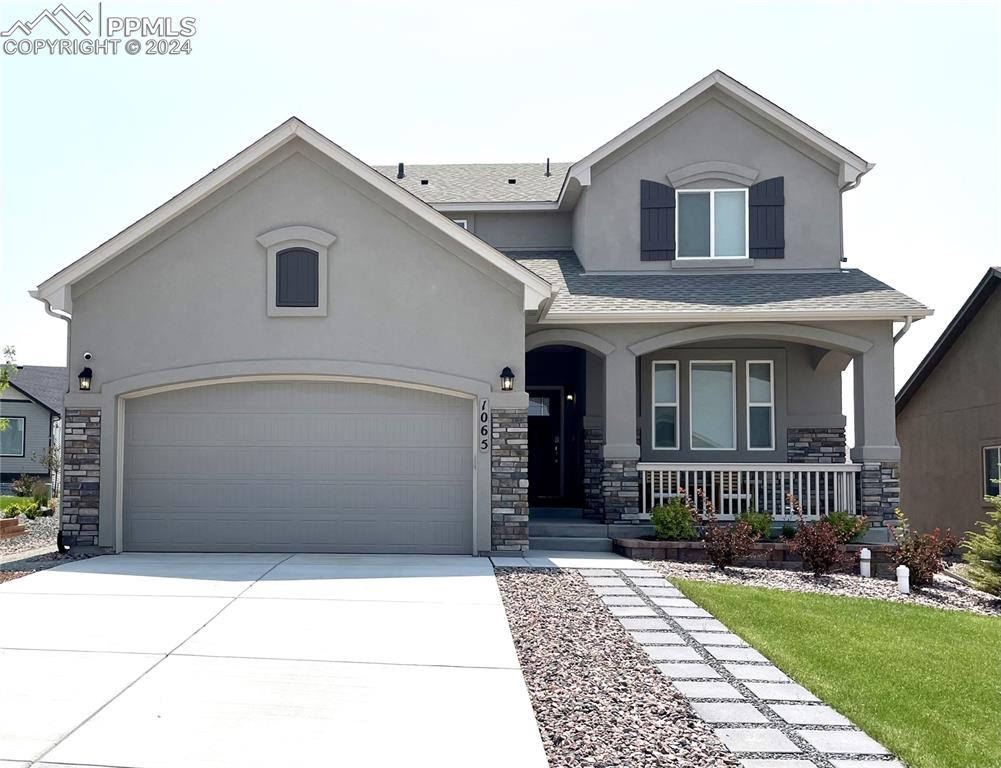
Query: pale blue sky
90,144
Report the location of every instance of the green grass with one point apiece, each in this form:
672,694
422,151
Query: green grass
923,681
6,501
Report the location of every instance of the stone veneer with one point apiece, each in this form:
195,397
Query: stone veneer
594,501
509,481
79,503
620,486
880,491
816,445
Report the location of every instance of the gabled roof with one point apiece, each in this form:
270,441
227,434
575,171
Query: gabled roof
55,291
845,294
481,182
45,384
852,167
985,288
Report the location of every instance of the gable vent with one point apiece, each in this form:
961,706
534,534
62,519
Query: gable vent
512,181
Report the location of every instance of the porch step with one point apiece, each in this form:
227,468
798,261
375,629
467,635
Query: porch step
567,528
565,543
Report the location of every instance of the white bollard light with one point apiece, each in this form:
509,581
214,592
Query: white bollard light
904,579
865,562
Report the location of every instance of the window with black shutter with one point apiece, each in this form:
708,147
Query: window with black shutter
656,221
298,278
766,208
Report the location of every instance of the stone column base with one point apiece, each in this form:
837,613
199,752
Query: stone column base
594,465
80,501
816,445
879,492
620,487
509,481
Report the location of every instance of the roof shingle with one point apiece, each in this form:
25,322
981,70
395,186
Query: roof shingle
45,383
481,182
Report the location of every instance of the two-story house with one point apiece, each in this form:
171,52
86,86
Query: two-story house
301,352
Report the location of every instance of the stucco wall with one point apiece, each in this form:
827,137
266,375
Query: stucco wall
37,422
195,298
945,426
522,230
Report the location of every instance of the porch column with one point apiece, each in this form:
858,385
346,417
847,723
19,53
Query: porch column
620,480
876,445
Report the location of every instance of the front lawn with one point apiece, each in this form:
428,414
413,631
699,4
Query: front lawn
925,682
6,501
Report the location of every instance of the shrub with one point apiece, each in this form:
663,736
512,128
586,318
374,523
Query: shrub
818,544
847,526
788,531
920,552
725,544
27,507
759,522
949,543
10,512
21,486
674,521
40,492
983,551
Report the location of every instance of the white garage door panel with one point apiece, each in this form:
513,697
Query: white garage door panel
303,466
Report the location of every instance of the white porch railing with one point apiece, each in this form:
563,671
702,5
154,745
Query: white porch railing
736,488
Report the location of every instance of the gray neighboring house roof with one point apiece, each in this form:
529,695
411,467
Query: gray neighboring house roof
43,383
481,182
846,292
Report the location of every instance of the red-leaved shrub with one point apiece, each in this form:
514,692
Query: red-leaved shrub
725,543
920,552
820,544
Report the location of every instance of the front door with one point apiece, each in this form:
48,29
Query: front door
545,434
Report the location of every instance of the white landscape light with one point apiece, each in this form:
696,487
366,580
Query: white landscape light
904,579
865,563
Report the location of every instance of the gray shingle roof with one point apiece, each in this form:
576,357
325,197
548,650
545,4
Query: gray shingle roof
842,291
45,383
481,182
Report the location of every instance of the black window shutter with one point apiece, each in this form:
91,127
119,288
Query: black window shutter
766,208
656,221
298,283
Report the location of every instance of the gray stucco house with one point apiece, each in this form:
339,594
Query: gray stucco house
949,418
303,352
33,406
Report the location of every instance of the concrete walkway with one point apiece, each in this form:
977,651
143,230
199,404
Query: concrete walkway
755,709
159,661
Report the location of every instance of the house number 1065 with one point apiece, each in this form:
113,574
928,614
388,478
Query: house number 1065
484,425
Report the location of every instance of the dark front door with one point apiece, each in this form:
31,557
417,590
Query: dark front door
545,459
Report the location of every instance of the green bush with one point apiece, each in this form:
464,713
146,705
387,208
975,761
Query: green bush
788,531
40,492
759,522
847,526
984,552
9,512
27,507
920,552
674,521
21,486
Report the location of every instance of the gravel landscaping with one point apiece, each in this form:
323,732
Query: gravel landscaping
40,532
598,698
945,593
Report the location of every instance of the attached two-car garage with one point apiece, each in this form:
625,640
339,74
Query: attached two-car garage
298,466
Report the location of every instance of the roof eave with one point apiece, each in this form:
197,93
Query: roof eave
613,316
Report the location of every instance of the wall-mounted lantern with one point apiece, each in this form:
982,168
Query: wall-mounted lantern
85,376
507,379
571,398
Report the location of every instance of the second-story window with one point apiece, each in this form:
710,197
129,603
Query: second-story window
712,223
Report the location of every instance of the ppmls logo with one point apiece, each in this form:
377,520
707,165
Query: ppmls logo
152,36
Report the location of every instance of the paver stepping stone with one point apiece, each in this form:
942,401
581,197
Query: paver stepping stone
755,740
637,574
613,591
712,690
631,610
598,581
672,653
649,582
866,764
843,742
658,638
694,612
729,653
717,638
683,671
768,762
661,591
702,625
673,602
622,600
809,714
781,692
596,572
644,624
727,712
757,672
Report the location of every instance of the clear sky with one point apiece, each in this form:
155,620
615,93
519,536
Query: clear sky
90,144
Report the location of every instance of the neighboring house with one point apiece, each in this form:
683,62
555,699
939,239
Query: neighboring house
33,406
949,418
301,352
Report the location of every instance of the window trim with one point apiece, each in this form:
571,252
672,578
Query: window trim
770,404
282,239
676,404
712,223
464,223
691,402
983,469
24,432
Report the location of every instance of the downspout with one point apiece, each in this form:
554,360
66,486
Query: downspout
900,334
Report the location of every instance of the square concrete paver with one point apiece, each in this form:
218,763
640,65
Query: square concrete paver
687,671
867,764
657,638
673,602
631,610
644,623
622,600
765,672
672,653
649,581
605,581
613,591
638,574
687,612
755,740
728,712
708,690
717,638
661,592
702,625
592,572
809,714
842,742
780,691
768,762
730,653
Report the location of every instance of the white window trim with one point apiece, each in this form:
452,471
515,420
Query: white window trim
24,427
770,404
712,223
691,402
983,469
464,223
296,237
676,404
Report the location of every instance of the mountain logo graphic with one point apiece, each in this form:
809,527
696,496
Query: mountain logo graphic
59,16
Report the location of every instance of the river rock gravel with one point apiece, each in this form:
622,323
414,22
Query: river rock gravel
40,532
598,699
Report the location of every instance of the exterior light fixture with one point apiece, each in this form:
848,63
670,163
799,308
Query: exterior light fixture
507,379
85,376
571,397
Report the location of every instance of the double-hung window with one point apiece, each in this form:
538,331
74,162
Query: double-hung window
712,223
713,419
665,405
992,471
12,438
760,405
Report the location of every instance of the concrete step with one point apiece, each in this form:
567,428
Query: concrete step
577,529
571,543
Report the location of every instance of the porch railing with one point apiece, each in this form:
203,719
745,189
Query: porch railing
737,488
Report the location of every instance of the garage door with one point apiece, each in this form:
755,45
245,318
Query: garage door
298,466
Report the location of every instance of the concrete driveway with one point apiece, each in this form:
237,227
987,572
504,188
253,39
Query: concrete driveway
159,661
